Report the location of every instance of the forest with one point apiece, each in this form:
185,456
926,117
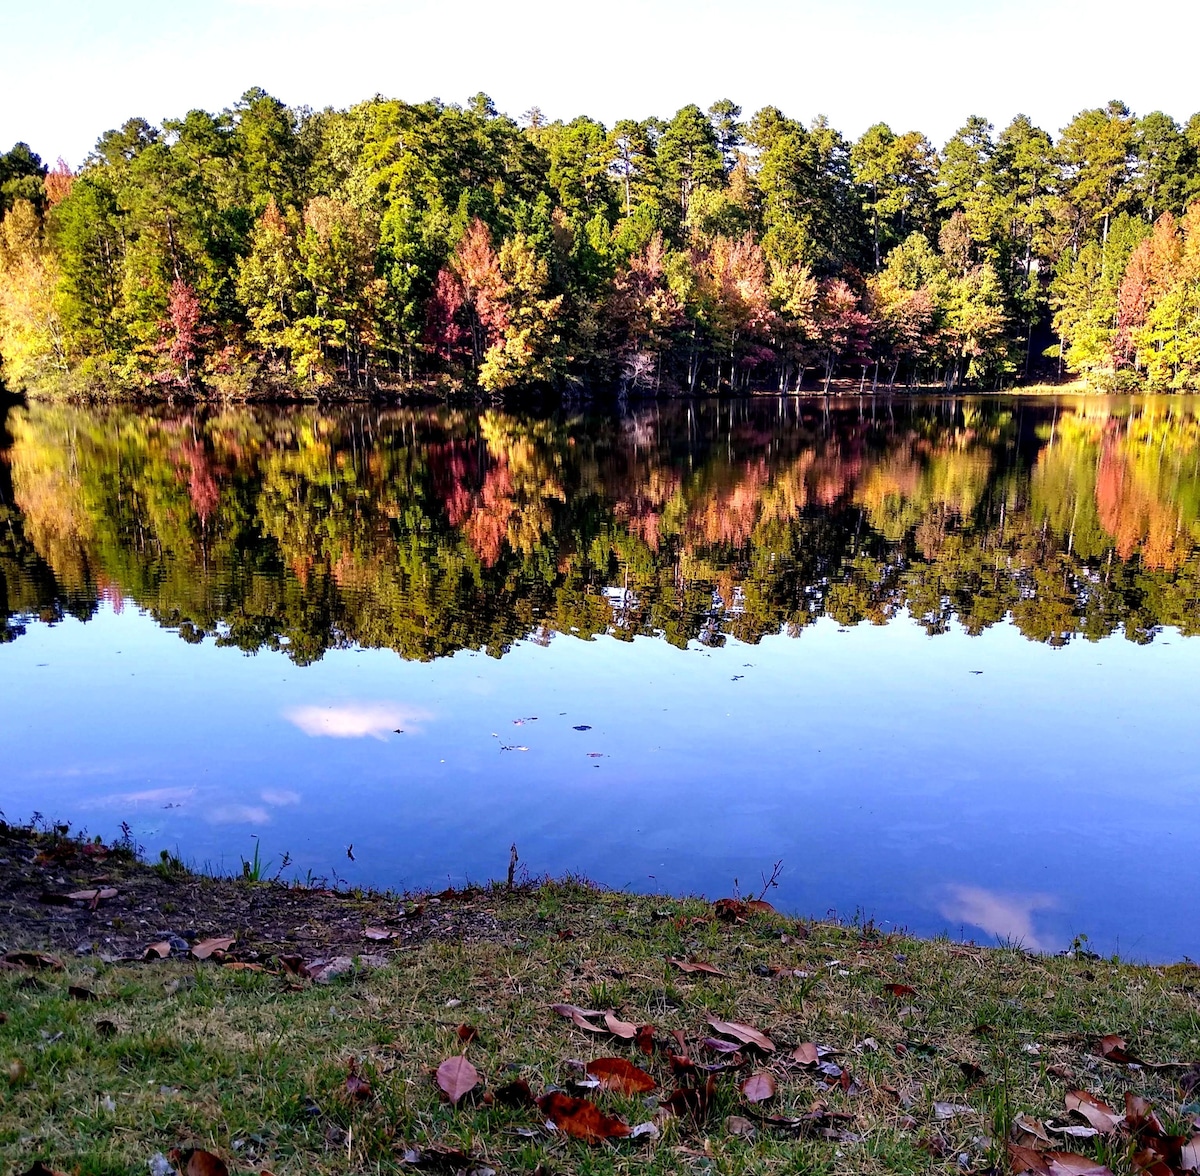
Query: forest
430,530
277,251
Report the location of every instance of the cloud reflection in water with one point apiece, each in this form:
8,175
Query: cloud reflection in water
358,720
1006,916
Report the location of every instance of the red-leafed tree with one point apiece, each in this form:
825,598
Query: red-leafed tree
183,332
467,312
841,326
58,182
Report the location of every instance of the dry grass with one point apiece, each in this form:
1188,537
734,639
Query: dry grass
253,1067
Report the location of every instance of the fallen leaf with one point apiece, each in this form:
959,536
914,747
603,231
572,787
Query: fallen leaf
515,1094
1114,1048
457,1077
106,1028
196,1162
40,1169
580,1016
77,993
1073,1164
944,1110
806,1054
157,951
693,1101
645,1131
93,896
972,1073
619,1075
466,1033
645,1038
31,959
729,910
758,1087
900,989
720,1045
294,965
378,933
1099,1114
1031,1126
743,1033
619,1028
239,966
1140,1117
695,966
1189,1155
358,1089
206,947
758,906
581,1119
1024,1160
736,1125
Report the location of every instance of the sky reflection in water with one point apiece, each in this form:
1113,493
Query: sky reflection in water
988,785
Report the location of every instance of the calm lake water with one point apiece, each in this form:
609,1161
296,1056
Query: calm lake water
938,656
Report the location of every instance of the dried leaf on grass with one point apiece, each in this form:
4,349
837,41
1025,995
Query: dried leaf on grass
626,1029
40,1169
692,1101
75,992
695,966
515,1094
1025,1161
30,959
358,1089
1099,1114
157,951
456,1077
379,933
197,1162
619,1075
758,1087
206,947
736,1125
581,1119
746,1034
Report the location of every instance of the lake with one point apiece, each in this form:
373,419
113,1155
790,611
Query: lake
936,656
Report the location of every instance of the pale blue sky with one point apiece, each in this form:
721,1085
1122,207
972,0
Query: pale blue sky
74,68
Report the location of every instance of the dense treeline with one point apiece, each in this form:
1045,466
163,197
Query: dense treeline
267,248
433,531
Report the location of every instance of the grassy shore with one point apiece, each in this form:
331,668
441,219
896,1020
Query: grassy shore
942,1051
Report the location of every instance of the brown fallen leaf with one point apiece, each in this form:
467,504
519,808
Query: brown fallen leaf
746,1034
515,1094
1114,1048
758,1087
695,966
759,906
692,1101
581,1119
900,989
457,1077
75,992
806,1054
729,910
157,951
1031,1126
619,1075
196,1162
736,1125
972,1073
40,1169
645,1038
1140,1116
466,1033
619,1028
579,1017
378,933
1099,1114
294,965
107,1028
31,959
358,1089
239,966
206,947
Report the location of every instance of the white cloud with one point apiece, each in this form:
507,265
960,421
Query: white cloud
238,814
358,720
1006,916
279,797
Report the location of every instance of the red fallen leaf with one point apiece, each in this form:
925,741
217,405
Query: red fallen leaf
758,906
695,966
1114,1048
743,1033
580,1119
195,1162
457,1077
718,1045
1140,1116
357,1087
693,1101
619,1075
681,1064
619,1028
31,959
729,910
467,1033
378,933
515,1094
806,1054
1099,1114
758,1087
645,1038
1025,1160
206,947
900,989
1150,1163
